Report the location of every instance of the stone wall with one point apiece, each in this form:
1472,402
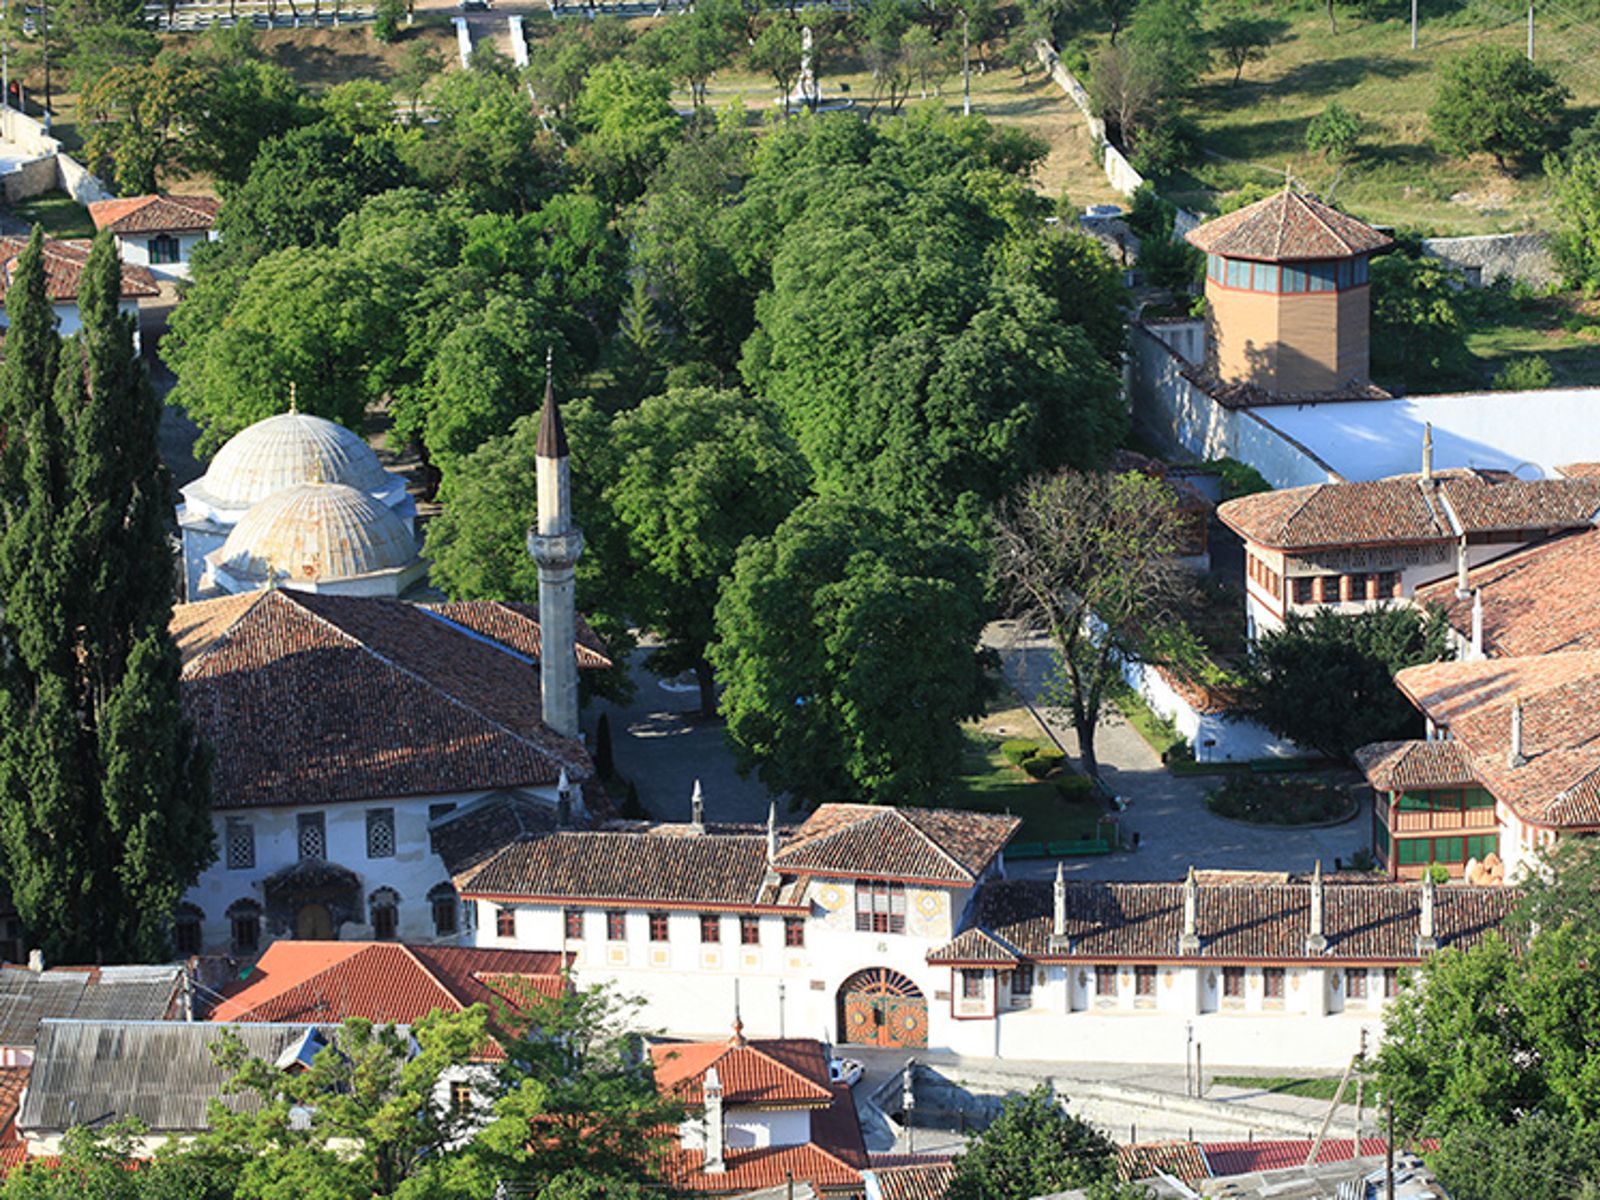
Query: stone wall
79,182
29,179
51,169
1489,259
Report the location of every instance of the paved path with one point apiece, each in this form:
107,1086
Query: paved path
1167,811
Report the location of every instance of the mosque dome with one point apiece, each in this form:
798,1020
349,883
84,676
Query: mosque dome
285,450
317,533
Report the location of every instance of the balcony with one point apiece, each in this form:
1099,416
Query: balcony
1411,821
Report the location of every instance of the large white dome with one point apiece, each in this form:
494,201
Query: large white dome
316,533
285,450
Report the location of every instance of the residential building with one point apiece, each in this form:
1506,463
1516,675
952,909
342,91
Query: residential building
63,270
160,231
1429,810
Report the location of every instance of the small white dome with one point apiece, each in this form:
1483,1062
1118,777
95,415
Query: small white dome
287,449
317,532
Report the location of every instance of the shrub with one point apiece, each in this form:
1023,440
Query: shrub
1179,752
1525,374
1438,872
1044,763
386,22
1238,478
1019,750
1362,860
1075,788
1492,99
1334,132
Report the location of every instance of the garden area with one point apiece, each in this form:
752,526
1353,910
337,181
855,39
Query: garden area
1283,799
59,214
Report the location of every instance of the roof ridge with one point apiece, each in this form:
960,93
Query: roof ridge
780,1064
1305,202
928,838
227,631
426,970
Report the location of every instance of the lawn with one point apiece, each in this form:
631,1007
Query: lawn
59,213
1311,1088
988,783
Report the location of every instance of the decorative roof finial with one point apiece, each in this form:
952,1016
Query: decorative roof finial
738,1021
552,435
294,407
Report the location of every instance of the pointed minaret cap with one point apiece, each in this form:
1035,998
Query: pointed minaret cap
697,809
1316,939
552,435
1189,938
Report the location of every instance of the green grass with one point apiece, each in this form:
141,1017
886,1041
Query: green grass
1310,1088
988,783
59,213
1157,733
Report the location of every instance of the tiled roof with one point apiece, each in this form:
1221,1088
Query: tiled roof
1244,1158
311,698
945,846
517,626
1288,226
1181,1160
136,993
670,865
832,1160
466,837
63,269
1559,783
386,981
1401,766
1238,919
975,947
1402,508
1581,470
774,1072
156,213
1536,600
912,1176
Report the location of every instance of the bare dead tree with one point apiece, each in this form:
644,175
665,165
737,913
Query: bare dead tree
1088,558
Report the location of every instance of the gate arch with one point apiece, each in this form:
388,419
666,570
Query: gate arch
881,1007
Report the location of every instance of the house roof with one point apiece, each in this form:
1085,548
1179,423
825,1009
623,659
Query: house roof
1288,226
912,1176
975,947
135,993
160,213
937,845
467,836
63,269
387,982
311,698
1240,918
766,1073
1244,1158
1559,783
1537,600
1403,508
1181,1160
162,1072
1403,766
516,626
832,1160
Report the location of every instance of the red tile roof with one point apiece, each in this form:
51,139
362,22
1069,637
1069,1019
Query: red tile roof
1181,1160
156,214
769,1073
912,1177
1246,1158
937,845
1401,766
312,698
63,270
517,626
1288,226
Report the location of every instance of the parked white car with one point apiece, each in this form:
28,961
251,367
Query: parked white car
844,1070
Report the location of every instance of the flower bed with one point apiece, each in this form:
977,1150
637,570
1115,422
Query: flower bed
1280,800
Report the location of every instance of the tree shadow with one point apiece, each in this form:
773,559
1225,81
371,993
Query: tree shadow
1320,77
330,64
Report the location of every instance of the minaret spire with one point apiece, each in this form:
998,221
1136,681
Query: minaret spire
555,543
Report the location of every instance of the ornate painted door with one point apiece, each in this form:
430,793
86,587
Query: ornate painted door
880,1007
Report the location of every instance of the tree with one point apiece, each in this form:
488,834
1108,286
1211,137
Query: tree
1169,32
1418,330
846,644
1334,132
698,472
1326,681
487,141
103,45
237,108
1032,1148
1242,40
693,49
1575,182
103,789
386,19
558,65
1088,559
419,63
1492,100
137,118
628,125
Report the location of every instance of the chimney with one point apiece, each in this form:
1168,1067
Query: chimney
1316,942
697,810
1463,584
1427,452
555,544
1058,918
772,833
1426,939
1515,757
1189,939
712,1088
563,801
36,961
1477,626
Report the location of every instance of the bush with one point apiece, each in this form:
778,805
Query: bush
1169,263
1179,752
1524,375
1438,872
1334,132
1044,764
1075,788
1282,800
386,19
1238,478
1019,750
1362,860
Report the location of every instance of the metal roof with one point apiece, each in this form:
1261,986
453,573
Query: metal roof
138,993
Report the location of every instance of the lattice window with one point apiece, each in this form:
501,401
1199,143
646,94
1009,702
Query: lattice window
380,833
241,846
244,920
880,906
313,835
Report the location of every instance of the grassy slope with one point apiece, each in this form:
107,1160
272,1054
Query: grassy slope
59,213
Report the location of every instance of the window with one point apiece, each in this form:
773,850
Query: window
1144,981
1388,585
749,931
1272,983
710,928
1330,589
572,922
1391,982
1266,278
460,1097
1105,980
658,927
384,905
1361,271
244,921
505,922
1238,273
616,926
313,835
186,929
1303,590
1355,983
794,931
1233,983
1358,587
1294,279
1022,980
380,833
880,906
446,906
163,248
971,985
241,846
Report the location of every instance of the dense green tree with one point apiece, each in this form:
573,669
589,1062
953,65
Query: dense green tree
237,108
358,107
627,126
1492,99
822,695
103,45
1326,682
387,15
487,141
137,121
1032,1148
419,63
1575,183
1541,1157
1418,326
558,65
1169,32
692,50
1334,132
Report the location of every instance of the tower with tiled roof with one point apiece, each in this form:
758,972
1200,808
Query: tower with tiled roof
1287,295
555,544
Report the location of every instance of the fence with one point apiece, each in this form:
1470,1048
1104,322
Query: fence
263,14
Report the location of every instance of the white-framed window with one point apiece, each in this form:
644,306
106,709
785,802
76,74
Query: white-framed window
380,833
241,845
164,248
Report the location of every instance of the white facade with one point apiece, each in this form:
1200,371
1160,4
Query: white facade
156,250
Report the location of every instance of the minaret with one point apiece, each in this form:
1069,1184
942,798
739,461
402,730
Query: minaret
1189,938
555,544
1427,938
1316,939
1058,922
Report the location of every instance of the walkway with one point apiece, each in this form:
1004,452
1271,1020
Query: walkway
1167,811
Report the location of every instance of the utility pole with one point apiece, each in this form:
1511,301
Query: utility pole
1413,24
1530,30
1388,1169
966,65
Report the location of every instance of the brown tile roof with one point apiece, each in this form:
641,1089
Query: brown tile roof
1401,766
1288,226
1559,783
912,1177
832,1161
1239,920
1402,509
975,947
936,845
517,626
156,213
769,1073
63,269
1582,470
470,834
312,698
1181,1160
1537,600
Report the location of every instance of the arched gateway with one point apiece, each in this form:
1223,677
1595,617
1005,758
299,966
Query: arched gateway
880,1007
